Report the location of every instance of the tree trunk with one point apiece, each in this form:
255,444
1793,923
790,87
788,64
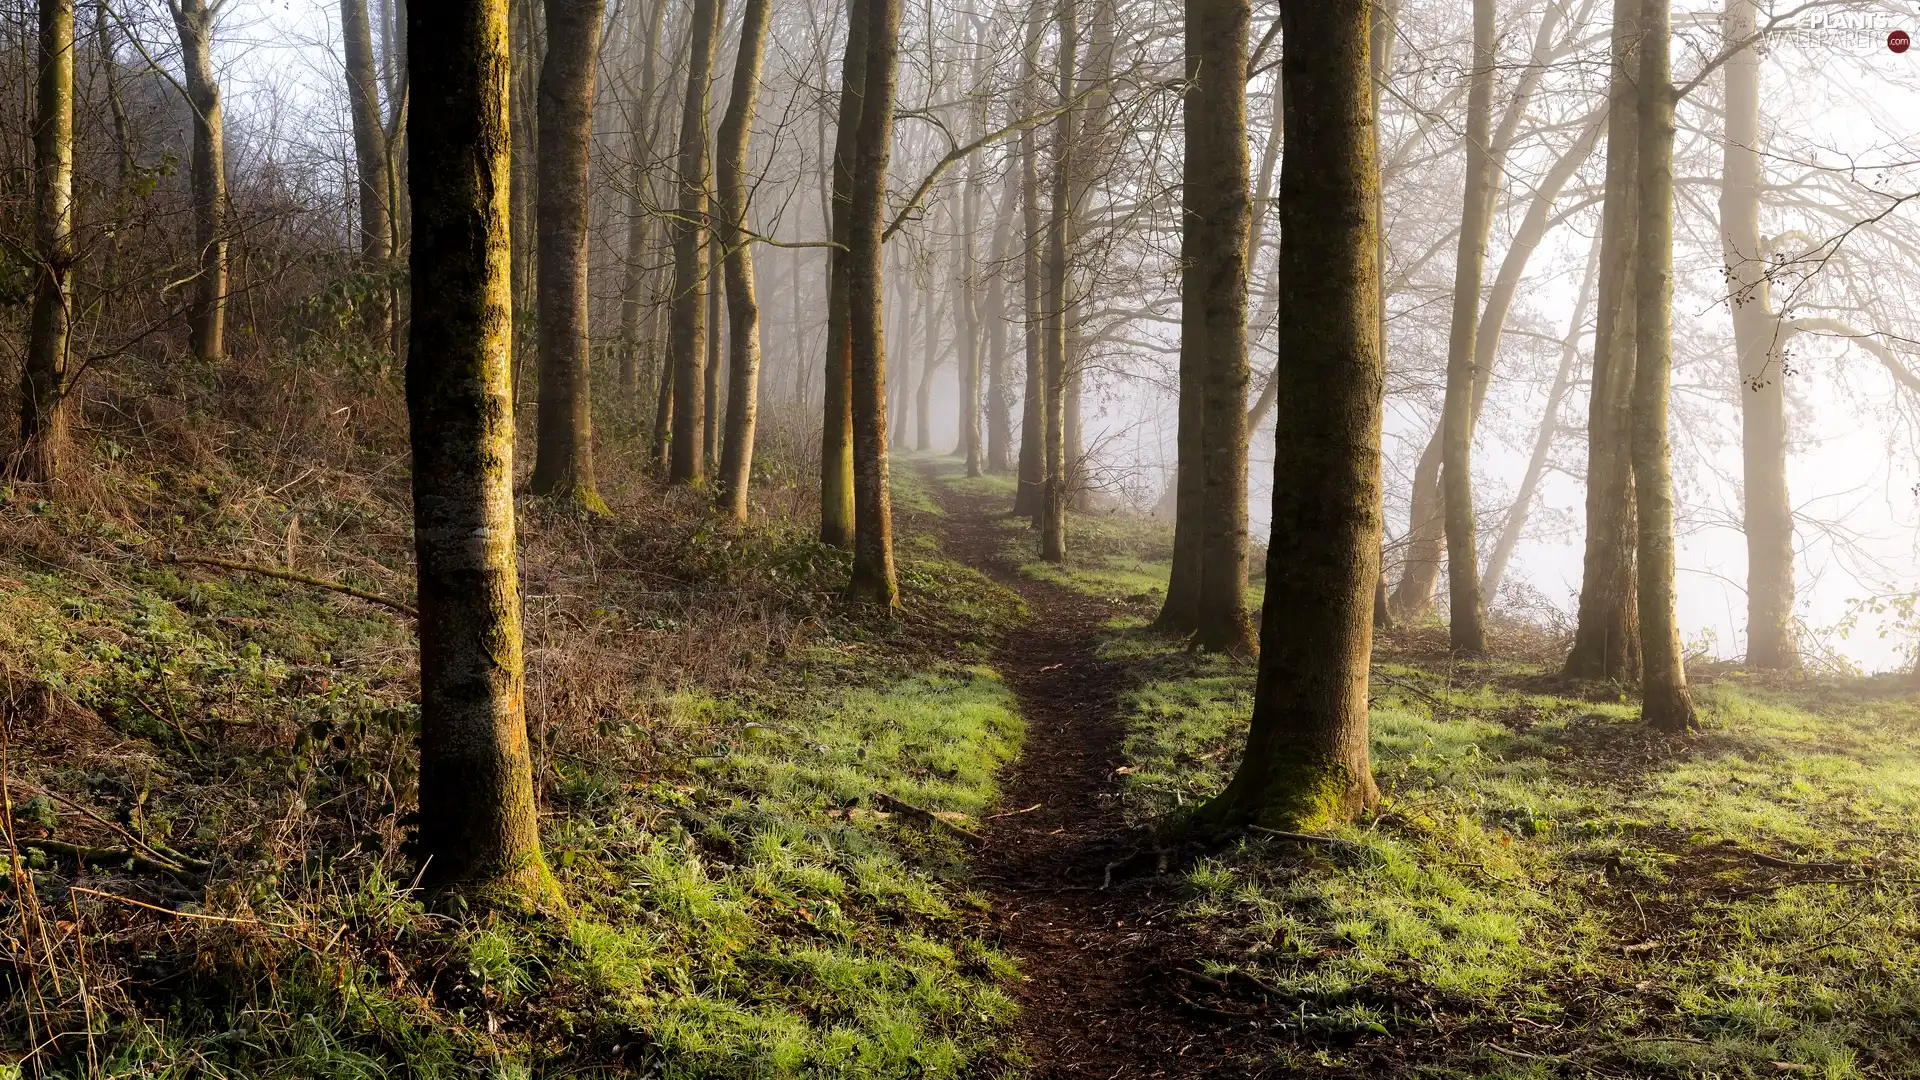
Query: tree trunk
1467,633
1549,427
45,376
478,825
1666,704
1306,763
1030,497
371,158
999,393
636,307
929,363
836,434
207,313
1219,223
966,320
563,452
743,307
687,343
1606,643
716,352
1757,335
522,106
1053,328
873,578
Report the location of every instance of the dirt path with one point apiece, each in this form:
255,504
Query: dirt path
1104,964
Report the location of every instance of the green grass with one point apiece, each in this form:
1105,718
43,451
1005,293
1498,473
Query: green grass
742,904
1545,879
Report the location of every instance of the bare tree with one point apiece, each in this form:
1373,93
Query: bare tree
207,314
45,376
730,229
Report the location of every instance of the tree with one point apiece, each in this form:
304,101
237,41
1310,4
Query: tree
45,376
1758,340
999,393
207,313
687,337
372,163
1666,703
1466,633
563,449
836,434
873,577
1029,498
1306,762
1053,327
1606,642
1218,225
730,228
478,825
636,311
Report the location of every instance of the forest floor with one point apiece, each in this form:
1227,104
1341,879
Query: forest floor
1081,893
801,841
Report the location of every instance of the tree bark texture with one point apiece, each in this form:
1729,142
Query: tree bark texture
1758,341
1029,498
636,306
687,339
1053,328
47,371
873,579
207,312
478,825
1306,762
1219,222
743,307
836,433
1466,632
1666,703
563,448
1606,643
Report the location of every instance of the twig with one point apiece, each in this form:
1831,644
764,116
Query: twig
282,927
303,579
195,865
926,816
1015,813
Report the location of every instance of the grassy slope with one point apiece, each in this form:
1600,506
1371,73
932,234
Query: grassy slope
710,734
1548,890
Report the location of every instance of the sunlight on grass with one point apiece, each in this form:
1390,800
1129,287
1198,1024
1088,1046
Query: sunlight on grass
1544,872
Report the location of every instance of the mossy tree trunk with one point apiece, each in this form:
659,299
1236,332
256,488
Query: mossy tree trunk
373,164
1219,224
563,448
1306,763
687,338
873,579
46,374
478,825
1606,642
716,342
836,433
207,312
1758,338
1666,703
1059,286
1467,633
730,227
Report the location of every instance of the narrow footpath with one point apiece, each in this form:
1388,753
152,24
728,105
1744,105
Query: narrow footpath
1080,896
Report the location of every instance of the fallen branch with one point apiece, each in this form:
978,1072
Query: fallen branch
110,857
302,579
1306,838
926,817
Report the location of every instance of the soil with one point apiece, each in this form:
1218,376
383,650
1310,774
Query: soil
1083,898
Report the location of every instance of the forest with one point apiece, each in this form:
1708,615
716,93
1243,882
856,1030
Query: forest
1060,539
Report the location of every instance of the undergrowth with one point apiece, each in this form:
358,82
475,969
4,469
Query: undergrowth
209,778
